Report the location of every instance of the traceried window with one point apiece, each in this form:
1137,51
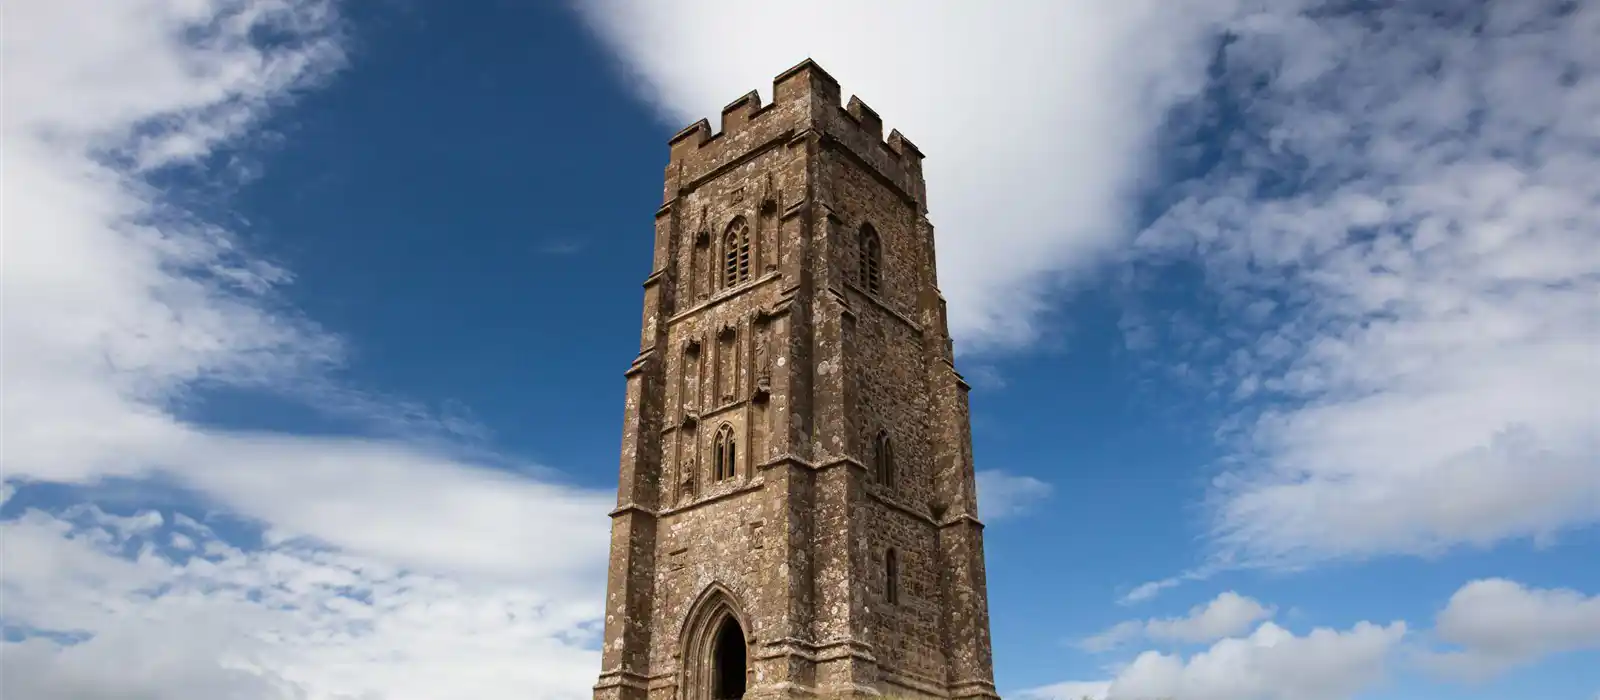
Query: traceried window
736,253
891,577
870,259
724,452
883,459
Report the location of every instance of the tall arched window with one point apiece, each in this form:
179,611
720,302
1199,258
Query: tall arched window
736,253
891,577
870,259
724,450
883,459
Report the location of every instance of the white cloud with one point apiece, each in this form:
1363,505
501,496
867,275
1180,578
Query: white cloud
1488,627
1074,105
363,496
1002,495
1070,690
1150,589
286,621
1227,615
118,304
1113,636
1272,663
1499,624
1412,322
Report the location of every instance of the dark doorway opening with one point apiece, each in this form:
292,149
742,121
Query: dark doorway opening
728,662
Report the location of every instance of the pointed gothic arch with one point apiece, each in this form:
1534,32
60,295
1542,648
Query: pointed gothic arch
715,656
869,259
724,454
883,459
736,253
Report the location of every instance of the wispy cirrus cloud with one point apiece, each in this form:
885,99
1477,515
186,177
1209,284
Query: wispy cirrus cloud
1398,224
1150,589
1004,495
560,247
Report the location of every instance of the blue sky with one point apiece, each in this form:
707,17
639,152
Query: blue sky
1282,320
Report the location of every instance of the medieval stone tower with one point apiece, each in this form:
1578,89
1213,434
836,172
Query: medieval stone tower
796,515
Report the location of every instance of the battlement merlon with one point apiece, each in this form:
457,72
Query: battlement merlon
803,97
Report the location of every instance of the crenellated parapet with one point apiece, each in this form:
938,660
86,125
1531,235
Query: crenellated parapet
805,99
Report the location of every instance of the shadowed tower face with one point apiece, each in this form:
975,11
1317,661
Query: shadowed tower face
796,512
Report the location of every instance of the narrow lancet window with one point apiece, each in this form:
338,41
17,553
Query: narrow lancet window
883,459
891,577
736,254
870,259
724,452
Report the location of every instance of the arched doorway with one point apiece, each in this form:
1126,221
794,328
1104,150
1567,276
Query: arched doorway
728,665
716,639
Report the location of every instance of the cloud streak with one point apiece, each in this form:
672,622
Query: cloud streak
1003,495
1227,615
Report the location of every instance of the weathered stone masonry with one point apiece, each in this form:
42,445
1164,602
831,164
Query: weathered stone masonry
796,513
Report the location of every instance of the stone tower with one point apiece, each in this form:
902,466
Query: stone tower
796,514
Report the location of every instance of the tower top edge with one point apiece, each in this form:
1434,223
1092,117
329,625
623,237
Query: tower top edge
805,81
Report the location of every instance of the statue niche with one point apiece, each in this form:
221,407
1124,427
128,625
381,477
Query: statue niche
689,380
727,377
